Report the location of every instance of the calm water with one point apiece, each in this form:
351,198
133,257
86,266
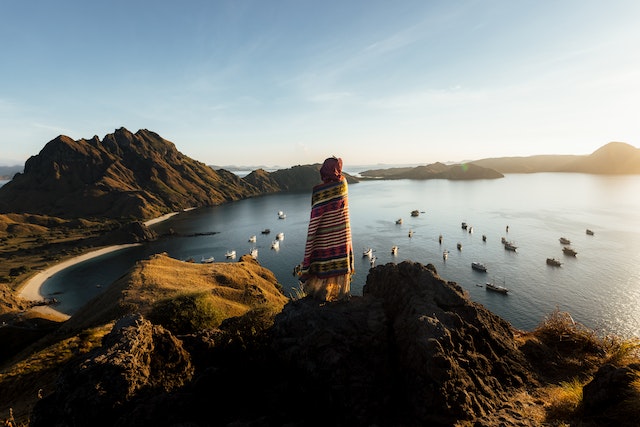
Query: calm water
600,287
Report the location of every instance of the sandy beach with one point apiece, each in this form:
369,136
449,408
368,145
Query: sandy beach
31,289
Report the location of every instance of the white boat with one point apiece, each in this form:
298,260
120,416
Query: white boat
394,250
440,239
445,255
252,239
280,236
565,241
410,233
207,260
459,246
230,254
367,252
373,260
470,229
478,266
254,253
275,244
281,215
496,288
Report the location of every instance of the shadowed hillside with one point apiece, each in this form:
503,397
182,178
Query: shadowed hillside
137,175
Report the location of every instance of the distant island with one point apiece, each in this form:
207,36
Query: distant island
615,158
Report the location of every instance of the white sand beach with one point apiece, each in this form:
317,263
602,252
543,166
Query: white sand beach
31,289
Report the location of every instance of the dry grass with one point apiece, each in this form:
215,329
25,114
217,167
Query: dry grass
25,382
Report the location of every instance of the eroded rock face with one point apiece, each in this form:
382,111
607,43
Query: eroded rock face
414,350
456,359
137,358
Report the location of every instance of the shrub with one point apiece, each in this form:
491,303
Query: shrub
187,313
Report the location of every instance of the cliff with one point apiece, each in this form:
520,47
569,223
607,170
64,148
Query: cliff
413,350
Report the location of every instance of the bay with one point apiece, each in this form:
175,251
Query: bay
600,287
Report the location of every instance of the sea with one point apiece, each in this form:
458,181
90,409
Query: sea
599,287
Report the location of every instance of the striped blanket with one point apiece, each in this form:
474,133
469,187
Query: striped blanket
329,250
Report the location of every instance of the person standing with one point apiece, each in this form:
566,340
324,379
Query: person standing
328,263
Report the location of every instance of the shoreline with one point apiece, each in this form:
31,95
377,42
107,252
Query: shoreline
30,289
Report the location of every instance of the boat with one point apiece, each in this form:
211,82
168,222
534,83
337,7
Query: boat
207,260
565,241
496,288
230,254
553,262
399,221
410,233
252,239
470,230
394,250
440,239
459,245
367,252
479,266
281,215
510,246
373,260
254,253
569,251
589,232
503,240
484,237
266,231
280,236
415,212
464,225
275,244
445,255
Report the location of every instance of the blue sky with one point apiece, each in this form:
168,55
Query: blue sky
292,82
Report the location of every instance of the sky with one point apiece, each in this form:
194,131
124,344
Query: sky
287,82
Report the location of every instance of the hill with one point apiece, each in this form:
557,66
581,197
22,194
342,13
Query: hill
128,175
614,158
173,343
7,172
435,171
124,175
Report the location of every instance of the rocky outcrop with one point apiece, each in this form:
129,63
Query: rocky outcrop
414,350
136,359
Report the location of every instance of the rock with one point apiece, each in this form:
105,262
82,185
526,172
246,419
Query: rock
609,387
137,359
456,359
414,350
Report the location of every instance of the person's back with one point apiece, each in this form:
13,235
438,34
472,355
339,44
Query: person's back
328,257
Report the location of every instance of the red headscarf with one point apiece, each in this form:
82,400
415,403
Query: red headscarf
331,170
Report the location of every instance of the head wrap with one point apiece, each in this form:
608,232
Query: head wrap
331,170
